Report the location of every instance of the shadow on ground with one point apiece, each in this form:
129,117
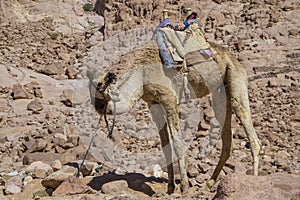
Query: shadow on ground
135,181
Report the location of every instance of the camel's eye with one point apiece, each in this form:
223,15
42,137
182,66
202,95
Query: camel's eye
99,85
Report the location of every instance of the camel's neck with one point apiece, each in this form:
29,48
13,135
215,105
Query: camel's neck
129,89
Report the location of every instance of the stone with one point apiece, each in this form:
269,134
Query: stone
73,139
35,106
27,180
56,165
39,169
115,187
45,157
71,98
72,186
71,72
13,185
11,189
87,167
201,134
157,171
56,178
204,167
274,186
39,193
203,126
19,92
37,146
192,171
60,139
55,68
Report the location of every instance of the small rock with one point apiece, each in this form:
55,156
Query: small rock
27,180
39,193
115,187
201,134
12,189
192,171
13,185
53,69
203,126
272,83
38,146
56,178
87,167
157,171
53,114
203,167
39,169
35,106
71,72
46,157
60,139
69,98
71,186
73,139
56,165
14,173
19,92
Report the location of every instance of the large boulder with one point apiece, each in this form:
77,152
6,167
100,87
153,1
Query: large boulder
274,186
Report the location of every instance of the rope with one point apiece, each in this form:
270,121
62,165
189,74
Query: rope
113,123
89,147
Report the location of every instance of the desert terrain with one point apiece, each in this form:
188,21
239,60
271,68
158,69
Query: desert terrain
47,120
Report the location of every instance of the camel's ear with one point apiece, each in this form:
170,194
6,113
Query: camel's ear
101,78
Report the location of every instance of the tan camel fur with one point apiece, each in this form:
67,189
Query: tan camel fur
150,81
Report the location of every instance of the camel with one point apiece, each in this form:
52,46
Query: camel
226,80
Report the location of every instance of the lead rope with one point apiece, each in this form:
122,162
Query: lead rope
95,134
89,147
113,123
98,125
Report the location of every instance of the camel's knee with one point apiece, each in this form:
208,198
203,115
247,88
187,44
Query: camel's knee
179,147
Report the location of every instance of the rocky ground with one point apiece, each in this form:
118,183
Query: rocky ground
46,119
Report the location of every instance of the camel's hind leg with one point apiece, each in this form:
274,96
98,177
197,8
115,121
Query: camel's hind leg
223,113
240,104
158,116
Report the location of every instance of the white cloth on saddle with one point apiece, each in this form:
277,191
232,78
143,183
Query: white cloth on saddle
185,41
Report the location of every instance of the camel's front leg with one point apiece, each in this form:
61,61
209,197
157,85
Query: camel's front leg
158,116
178,143
179,149
166,98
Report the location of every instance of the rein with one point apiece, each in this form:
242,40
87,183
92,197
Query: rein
109,78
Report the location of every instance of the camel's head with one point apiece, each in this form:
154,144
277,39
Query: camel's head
102,90
106,84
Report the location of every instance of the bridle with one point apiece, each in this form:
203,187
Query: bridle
109,78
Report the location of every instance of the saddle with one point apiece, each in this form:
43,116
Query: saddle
189,46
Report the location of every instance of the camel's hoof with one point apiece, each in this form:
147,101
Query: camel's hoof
184,188
171,188
210,183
